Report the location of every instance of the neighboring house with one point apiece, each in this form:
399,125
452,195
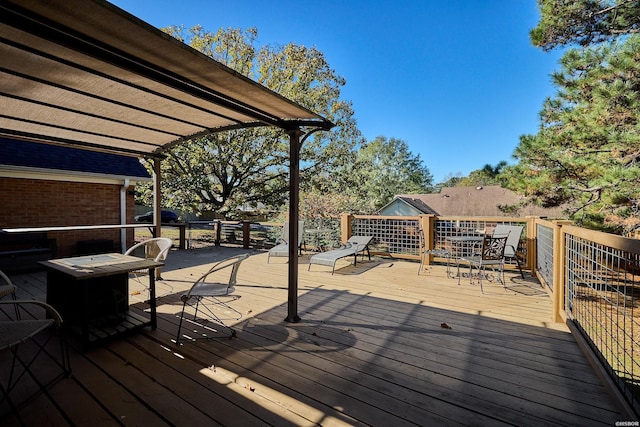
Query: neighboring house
43,185
464,201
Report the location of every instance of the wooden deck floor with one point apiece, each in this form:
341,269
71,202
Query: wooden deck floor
377,345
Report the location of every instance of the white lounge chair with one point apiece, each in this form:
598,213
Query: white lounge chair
282,248
353,246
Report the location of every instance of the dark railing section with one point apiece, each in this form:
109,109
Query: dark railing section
544,255
603,300
594,281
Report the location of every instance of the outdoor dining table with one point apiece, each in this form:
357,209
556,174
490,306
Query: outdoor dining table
463,245
91,293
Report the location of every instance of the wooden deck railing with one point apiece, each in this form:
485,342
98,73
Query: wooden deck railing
591,277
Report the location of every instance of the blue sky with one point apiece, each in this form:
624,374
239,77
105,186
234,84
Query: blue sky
457,80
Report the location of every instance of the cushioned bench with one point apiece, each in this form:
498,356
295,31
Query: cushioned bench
22,251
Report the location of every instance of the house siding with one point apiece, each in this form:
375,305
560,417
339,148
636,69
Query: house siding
398,208
45,203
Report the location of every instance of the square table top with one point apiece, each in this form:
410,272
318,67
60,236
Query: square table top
90,266
465,238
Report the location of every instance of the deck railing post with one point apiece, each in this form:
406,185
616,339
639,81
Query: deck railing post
428,225
246,234
531,244
345,226
157,204
559,283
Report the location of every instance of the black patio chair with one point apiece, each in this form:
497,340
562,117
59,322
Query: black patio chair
491,255
26,340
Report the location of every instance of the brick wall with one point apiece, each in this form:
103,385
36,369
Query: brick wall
43,203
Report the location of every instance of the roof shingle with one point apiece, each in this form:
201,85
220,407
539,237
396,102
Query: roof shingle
475,201
47,156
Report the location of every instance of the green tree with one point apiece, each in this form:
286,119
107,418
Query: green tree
386,167
450,180
487,175
584,22
221,171
586,153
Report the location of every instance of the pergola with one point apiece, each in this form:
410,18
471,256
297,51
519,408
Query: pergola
87,74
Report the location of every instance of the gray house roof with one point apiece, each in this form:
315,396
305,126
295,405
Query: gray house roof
470,201
20,154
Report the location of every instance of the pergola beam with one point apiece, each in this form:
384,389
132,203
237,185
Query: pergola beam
87,74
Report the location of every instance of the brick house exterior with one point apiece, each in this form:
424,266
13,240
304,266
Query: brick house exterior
49,186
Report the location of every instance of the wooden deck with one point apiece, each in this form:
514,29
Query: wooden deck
377,345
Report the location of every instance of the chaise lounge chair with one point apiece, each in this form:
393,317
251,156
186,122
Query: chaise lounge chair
354,246
282,248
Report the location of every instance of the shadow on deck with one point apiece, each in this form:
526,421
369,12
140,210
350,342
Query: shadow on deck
377,345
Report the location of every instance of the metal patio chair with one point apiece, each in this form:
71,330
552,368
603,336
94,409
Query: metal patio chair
7,288
26,338
156,249
213,289
438,252
491,255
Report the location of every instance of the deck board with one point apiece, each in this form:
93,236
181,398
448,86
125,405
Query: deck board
371,349
117,404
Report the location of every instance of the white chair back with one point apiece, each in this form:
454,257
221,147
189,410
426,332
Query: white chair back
156,248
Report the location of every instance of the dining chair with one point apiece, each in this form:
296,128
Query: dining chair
437,252
491,255
156,249
211,288
6,286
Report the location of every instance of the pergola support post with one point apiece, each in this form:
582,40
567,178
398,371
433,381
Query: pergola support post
294,200
157,205
157,198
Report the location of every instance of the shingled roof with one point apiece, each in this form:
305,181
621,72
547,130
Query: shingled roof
23,154
474,201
